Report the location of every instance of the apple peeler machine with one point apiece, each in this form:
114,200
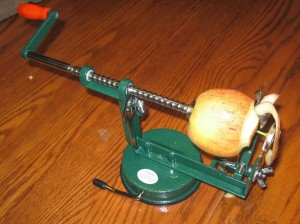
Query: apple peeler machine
160,166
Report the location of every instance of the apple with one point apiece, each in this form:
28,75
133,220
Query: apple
224,121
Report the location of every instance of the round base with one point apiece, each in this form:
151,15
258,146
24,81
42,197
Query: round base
161,185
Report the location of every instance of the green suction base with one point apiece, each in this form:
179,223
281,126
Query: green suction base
161,184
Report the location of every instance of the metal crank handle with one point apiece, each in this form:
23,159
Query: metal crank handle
35,12
31,11
104,186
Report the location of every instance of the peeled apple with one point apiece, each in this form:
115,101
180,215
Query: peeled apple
224,121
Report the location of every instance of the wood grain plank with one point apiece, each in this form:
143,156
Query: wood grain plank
56,136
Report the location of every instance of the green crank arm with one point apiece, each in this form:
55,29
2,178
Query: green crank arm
40,33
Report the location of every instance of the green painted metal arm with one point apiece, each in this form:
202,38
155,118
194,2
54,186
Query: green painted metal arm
40,33
200,171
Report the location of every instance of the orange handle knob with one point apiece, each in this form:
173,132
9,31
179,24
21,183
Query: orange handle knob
33,12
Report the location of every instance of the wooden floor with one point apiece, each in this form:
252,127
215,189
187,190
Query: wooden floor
56,136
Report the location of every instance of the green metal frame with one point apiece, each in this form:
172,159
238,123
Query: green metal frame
233,177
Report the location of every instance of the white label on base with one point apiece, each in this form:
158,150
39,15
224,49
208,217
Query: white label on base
147,176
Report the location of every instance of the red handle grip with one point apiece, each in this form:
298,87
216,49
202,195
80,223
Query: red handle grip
33,12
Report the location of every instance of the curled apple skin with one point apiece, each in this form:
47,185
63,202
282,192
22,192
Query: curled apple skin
217,121
267,107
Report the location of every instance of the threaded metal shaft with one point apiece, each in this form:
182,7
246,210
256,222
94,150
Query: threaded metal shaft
112,83
161,100
142,94
109,82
